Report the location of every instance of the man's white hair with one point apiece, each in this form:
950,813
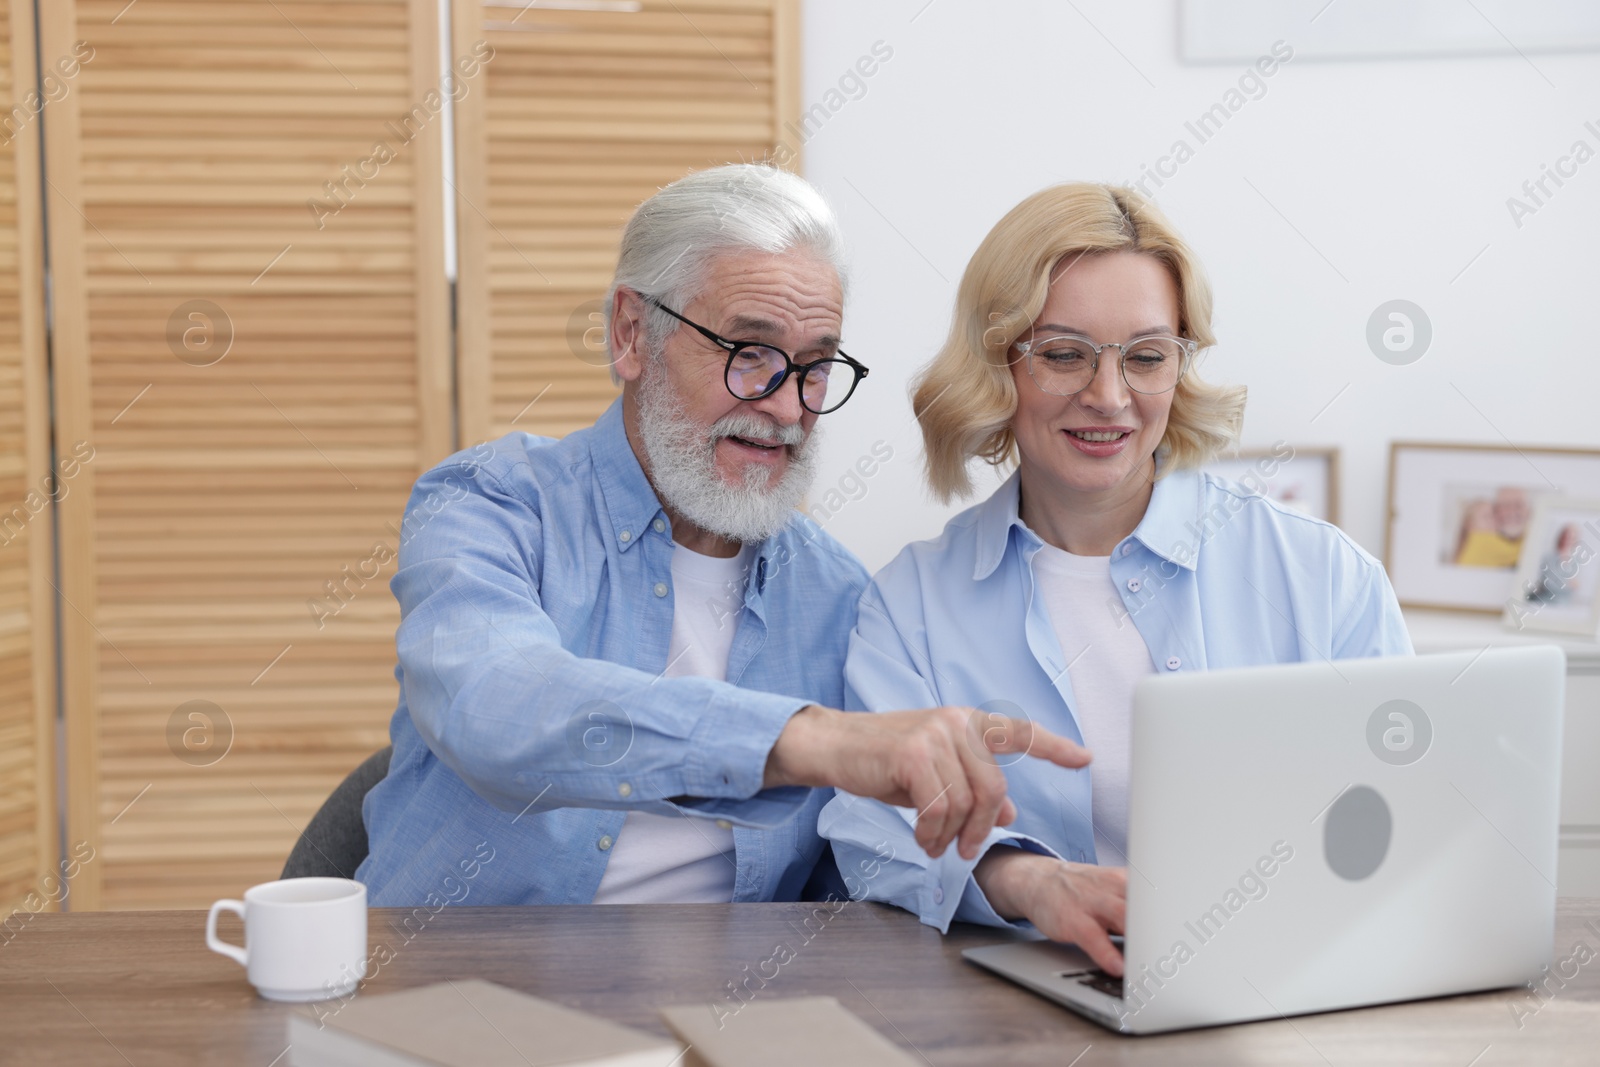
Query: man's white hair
740,207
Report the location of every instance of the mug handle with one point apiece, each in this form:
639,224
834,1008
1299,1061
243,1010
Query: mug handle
215,943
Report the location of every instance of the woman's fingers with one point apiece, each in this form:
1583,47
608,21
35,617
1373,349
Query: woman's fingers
1116,891
1084,904
1092,938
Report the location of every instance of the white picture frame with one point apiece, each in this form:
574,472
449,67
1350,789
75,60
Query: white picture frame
1459,513
1559,570
1303,478
1237,31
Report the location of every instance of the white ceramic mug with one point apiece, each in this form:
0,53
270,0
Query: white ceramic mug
305,938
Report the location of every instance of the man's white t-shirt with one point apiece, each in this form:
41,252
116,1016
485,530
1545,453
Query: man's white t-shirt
678,859
1105,657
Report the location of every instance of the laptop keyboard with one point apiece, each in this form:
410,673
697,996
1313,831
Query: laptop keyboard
1097,980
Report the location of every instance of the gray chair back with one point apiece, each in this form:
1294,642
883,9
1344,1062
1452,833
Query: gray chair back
335,841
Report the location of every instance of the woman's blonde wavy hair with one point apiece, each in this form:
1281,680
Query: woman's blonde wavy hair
966,397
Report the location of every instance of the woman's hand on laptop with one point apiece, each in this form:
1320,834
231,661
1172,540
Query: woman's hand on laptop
939,761
1078,902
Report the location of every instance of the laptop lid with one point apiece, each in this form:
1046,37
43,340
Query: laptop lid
1315,836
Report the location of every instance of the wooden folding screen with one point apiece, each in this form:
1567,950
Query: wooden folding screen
29,879
252,334
252,360
580,115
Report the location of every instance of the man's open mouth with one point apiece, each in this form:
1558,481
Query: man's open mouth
764,446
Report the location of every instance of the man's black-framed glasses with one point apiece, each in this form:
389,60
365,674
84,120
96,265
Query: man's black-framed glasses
756,370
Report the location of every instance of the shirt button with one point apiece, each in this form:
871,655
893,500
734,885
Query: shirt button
938,894
624,790
1173,663
661,589
1127,548
604,844
724,824
660,526
625,536
1133,585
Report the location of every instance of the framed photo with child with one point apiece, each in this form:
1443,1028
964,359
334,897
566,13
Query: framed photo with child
1460,516
1557,574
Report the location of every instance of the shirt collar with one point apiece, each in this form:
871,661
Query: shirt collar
1170,527
992,527
1171,524
630,502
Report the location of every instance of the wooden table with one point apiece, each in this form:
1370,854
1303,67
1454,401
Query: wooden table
140,988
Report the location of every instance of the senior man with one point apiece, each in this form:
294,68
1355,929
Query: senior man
621,652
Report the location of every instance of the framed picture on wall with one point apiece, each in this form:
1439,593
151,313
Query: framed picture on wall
1559,569
1459,516
1306,479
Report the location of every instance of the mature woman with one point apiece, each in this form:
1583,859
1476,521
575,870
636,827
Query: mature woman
1105,557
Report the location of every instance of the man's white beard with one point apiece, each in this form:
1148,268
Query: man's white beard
683,464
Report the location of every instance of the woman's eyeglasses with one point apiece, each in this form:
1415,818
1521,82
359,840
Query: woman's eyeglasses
1065,364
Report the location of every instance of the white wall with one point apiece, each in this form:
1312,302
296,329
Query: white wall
1395,172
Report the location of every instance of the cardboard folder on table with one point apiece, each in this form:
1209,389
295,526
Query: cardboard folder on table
468,1023
790,1032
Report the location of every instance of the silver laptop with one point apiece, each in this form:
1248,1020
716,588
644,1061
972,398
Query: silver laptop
1317,836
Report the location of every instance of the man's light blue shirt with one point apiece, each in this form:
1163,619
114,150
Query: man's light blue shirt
1213,576
536,601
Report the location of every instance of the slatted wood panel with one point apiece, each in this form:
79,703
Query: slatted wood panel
224,496
28,878
581,115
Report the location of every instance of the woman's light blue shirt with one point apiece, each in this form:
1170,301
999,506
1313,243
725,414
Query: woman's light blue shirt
1214,576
